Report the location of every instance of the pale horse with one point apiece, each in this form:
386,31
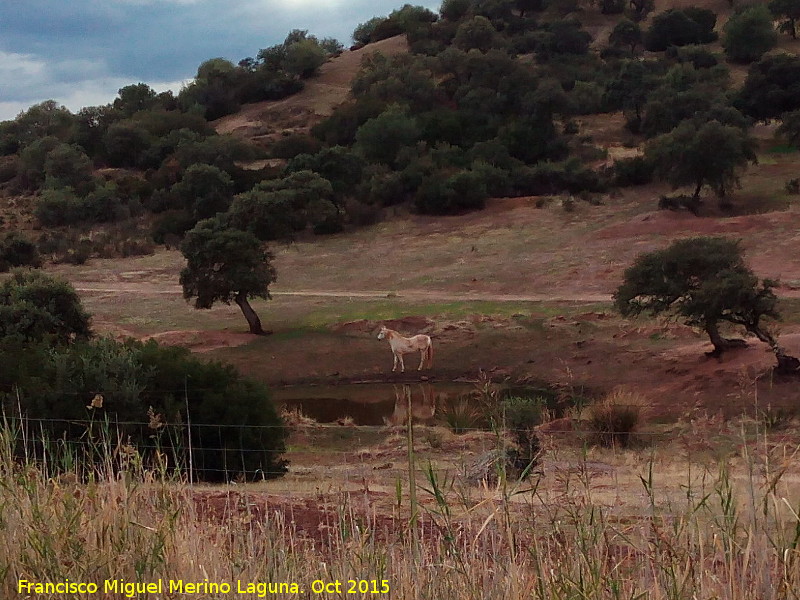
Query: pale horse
402,345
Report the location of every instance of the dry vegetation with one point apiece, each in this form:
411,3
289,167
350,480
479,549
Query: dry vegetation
659,522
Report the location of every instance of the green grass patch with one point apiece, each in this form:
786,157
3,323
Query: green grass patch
790,310
782,149
393,308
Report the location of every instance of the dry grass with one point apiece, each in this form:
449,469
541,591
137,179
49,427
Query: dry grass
670,528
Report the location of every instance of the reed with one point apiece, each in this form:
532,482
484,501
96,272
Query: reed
733,531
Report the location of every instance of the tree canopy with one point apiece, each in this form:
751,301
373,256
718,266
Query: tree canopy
704,281
226,265
749,34
35,307
709,154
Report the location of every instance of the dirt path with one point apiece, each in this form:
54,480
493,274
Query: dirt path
146,289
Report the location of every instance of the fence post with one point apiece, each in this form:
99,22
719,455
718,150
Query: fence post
412,472
188,429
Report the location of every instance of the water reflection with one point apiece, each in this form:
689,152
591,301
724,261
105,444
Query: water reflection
371,403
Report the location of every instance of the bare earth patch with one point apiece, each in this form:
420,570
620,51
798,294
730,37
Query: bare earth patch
201,341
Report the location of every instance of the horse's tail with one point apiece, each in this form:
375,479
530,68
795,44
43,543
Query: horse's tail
429,353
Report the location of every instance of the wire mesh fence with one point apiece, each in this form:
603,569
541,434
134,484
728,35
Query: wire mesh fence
243,452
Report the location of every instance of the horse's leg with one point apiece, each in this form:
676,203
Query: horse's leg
421,359
402,365
394,362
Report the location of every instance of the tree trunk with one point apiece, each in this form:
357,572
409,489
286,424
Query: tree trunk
249,314
697,189
721,344
786,363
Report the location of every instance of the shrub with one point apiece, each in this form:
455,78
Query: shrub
382,187
462,416
18,251
676,27
37,307
103,205
174,223
205,190
381,138
125,144
68,166
680,202
564,36
771,87
521,416
699,57
477,33
587,98
551,178
615,418
612,7
363,32
303,58
339,165
294,144
142,390
385,29
58,207
749,34
790,128
633,171
439,195
454,10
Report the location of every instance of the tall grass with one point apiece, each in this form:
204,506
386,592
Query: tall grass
733,533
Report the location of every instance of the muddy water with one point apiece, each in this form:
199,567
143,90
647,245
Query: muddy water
371,403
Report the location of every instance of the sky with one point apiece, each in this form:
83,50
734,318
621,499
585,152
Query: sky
80,52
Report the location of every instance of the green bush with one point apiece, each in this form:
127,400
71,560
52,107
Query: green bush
587,98
37,307
676,27
362,34
551,178
18,251
749,34
636,170
58,207
172,224
381,138
294,144
771,87
440,195
697,56
339,165
520,416
140,393
205,190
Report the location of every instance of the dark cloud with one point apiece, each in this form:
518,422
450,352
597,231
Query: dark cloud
78,48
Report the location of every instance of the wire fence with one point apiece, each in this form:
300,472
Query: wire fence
347,451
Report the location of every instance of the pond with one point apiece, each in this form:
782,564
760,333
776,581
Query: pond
371,403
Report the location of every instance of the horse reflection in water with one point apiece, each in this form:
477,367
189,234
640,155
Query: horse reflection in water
423,407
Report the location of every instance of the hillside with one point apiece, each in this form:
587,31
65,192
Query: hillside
262,122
